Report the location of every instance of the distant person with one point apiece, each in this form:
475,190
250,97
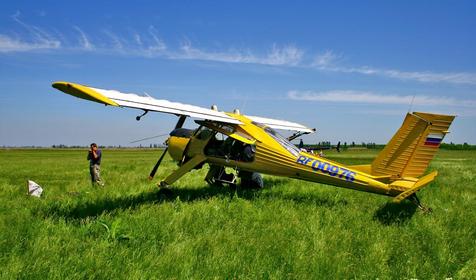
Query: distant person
301,144
321,153
94,157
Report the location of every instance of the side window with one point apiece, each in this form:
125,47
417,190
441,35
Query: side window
204,133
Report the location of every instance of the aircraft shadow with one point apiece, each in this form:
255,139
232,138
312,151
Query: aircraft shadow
97,207
395,213
92,209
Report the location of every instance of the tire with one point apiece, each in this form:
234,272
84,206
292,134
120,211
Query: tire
251,180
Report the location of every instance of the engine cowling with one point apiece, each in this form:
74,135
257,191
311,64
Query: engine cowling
178,141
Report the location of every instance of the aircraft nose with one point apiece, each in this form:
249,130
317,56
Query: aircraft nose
176,145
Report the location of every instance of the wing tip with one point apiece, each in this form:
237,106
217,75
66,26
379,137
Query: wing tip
83,92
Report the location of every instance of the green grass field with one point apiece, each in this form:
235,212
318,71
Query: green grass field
290,229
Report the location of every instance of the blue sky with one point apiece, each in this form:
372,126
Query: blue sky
349,69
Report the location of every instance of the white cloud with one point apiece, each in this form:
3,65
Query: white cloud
187,51
158,44
285,56
9,44
328,62
325,59
352,96
83,39
426,76
150,44
115,40
137,38
38,39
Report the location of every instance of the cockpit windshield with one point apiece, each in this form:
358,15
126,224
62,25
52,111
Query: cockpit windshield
280,139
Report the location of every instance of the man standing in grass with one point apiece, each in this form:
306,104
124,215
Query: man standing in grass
94,157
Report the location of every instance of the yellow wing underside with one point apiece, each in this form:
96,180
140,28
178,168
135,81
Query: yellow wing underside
83,92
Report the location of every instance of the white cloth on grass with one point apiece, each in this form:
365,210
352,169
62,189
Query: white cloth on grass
34,189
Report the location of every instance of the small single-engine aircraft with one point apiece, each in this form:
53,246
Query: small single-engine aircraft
250,145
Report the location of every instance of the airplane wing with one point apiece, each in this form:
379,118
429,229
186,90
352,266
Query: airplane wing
280,124
147,103
116,98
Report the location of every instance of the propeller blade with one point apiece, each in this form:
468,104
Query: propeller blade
156,166
179,124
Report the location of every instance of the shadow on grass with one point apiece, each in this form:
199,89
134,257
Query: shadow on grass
97,207
94,208
395,213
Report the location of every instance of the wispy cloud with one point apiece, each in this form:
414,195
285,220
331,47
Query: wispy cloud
288,55
38,39
10,44
187,51
353,96
115,40
158,45
328,61
83,39
150,44
325,59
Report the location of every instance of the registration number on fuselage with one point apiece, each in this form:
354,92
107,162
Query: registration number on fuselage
327,168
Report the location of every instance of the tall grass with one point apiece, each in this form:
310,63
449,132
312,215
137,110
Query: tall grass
291,229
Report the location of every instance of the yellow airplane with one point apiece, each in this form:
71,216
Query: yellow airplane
250,145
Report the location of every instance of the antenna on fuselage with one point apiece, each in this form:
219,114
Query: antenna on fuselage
411,104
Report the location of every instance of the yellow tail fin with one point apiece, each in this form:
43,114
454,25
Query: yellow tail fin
411,149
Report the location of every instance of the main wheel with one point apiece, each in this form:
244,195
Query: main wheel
251,180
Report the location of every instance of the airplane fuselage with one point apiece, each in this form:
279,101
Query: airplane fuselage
273,155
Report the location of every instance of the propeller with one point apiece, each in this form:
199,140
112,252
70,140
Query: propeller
156,166
179,124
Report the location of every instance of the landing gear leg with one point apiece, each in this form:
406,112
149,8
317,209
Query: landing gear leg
415,200
186,167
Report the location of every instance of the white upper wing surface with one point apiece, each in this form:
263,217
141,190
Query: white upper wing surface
149,103
131,100
117,98
280,124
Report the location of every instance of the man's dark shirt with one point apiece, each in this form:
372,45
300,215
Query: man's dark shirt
91,159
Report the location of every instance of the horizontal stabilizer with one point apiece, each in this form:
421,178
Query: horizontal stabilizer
423,181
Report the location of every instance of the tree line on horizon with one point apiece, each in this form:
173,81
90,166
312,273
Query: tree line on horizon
323,145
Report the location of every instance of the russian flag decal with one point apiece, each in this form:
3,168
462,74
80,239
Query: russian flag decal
434,139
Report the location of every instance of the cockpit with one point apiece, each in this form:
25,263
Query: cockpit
283,141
